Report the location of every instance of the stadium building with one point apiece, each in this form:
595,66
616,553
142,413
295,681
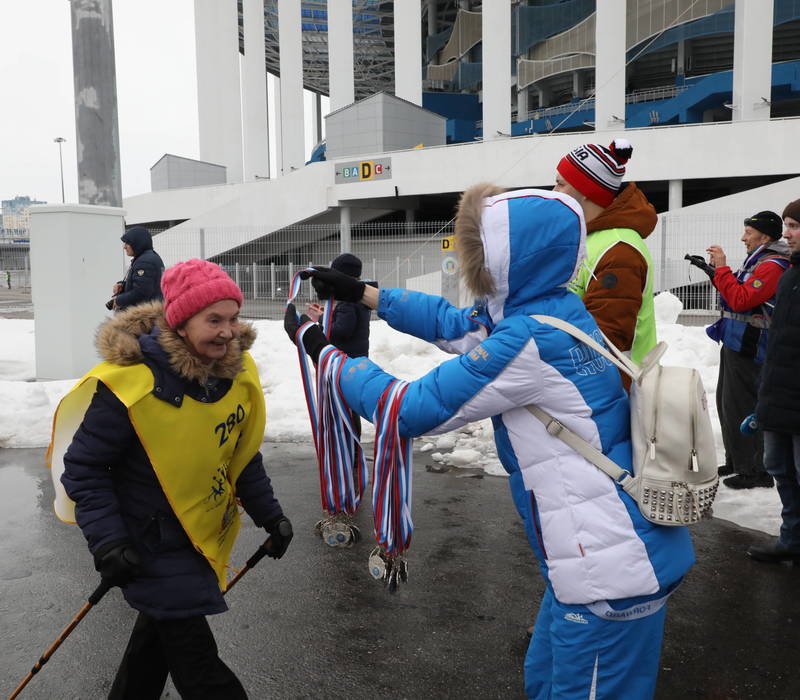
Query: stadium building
429,97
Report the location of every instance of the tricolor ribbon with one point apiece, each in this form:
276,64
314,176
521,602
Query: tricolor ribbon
391,481
336,444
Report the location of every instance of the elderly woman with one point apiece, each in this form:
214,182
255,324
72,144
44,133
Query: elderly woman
168,435
608,571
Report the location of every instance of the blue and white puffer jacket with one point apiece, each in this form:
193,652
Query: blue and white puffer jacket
519,250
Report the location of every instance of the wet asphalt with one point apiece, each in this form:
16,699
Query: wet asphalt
315,625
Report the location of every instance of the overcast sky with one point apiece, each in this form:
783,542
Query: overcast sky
156,91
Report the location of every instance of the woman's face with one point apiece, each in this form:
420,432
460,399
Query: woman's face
209,331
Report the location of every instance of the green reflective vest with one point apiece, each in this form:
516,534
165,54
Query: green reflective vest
597,244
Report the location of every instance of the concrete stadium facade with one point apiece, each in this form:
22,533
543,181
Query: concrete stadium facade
730,149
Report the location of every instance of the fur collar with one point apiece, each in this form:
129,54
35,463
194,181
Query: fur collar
117,341
468,239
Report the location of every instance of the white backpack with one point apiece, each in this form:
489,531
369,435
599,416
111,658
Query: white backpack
674,478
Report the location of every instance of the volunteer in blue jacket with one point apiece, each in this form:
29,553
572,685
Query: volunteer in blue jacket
142,282
166,441
608,570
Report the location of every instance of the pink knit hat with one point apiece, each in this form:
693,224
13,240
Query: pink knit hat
190,286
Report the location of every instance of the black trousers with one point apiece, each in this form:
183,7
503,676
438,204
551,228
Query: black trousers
183,648
737,387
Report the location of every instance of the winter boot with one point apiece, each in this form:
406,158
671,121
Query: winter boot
748,481
725,470
773,553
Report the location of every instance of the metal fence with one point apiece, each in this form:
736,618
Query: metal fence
418,256
395,254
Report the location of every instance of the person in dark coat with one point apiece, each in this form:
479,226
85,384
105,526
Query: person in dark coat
349,331
778,407
142,283
168,445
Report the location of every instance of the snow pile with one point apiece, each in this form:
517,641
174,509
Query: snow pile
27,407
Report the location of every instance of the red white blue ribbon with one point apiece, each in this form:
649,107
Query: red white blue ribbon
335,441
391,481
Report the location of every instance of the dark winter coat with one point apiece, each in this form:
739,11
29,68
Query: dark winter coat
117,494
350,328
778,406
143,281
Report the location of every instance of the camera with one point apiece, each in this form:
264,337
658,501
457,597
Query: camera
700,261
110,304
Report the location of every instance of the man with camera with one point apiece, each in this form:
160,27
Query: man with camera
747,298
143,281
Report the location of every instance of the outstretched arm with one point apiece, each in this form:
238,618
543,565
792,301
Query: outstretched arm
497,375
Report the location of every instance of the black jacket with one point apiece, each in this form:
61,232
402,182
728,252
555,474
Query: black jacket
350,328
143,281
778,406
116,491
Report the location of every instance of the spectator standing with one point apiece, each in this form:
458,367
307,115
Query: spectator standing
778,408
747,300
170,427
8,278
143,281
614,281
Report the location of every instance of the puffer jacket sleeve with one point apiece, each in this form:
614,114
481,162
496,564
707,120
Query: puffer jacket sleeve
433,319
254,489
500,373
100,442
144,282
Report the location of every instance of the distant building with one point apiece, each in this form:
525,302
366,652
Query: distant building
16,219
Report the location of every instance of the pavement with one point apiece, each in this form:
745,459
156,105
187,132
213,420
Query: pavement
15,302
315,625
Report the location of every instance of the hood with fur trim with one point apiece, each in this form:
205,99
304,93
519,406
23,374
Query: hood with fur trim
118,341
516,247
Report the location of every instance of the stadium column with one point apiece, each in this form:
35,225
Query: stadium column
752,59
340,54
345,237
254,92
408,52
219,100
496,76
522,104
675,194
609,106
290,30
95,84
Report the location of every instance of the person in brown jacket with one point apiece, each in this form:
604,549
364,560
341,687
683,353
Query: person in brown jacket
614,281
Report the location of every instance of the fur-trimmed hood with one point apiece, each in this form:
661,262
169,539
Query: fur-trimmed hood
517,246
120,340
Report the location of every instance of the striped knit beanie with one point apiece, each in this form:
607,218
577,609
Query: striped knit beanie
190,286
596,171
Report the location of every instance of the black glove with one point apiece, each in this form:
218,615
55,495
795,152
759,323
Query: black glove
700,261
280,535
118,563
332,283
313,339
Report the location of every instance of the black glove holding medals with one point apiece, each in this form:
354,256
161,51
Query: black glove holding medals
313,339
332,284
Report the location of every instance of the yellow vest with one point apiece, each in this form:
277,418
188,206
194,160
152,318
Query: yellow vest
198,450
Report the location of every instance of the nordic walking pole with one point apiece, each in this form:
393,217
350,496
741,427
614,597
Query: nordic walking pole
261,552
93,600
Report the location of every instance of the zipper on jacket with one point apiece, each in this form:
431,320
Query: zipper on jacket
655,417
693,465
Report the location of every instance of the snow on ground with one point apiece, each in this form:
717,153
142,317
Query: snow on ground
27,406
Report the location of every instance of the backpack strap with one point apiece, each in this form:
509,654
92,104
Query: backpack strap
622,361
586,450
